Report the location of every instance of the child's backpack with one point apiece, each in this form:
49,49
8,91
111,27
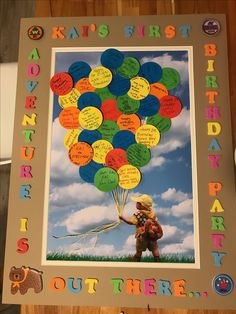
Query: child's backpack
152,230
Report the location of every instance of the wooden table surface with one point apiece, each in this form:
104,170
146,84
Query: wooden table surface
142,7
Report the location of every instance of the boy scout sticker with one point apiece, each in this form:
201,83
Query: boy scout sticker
35,32
211,27
223,284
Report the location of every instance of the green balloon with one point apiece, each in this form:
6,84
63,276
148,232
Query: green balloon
138,155
106,179
104,93
161,123
129,68
170,78
127,105
108,129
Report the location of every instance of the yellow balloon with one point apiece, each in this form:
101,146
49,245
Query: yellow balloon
100,77
71,138
129,177
100,150
139,88
147,135
90,118
70,99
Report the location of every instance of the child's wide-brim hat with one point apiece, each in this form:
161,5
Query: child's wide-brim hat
143,199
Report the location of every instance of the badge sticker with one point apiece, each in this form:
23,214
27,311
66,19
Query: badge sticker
223,284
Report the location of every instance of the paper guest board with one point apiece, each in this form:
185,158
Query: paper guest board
108,110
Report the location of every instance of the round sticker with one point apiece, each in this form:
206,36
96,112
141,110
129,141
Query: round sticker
139,88
129,68
119,85
123,139
104,94
158,90
127,105
170,107
116,158
112,58
108,129
170,78
223,284
211,27
151,71
101,148
78,70
35,32
100,77
90,118
162,124
89,136
80,153
70,99
88,172
89,99
71,138
138,155
149,106
147,135
106,179
84,86
61,83
110,110
69,118
129,122
129,177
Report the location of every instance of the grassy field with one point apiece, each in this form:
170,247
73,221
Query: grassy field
171,258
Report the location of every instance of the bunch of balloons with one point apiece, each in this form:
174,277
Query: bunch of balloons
115,113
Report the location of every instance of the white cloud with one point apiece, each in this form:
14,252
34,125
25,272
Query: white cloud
184,208
171,233
164,61
175,196
154,162
186,246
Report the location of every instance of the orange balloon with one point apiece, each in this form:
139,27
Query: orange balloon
84,86
80,153
69,118
158,90
129,122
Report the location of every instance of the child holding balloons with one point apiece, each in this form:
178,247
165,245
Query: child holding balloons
148,230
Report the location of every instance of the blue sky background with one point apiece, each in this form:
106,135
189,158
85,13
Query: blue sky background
76,206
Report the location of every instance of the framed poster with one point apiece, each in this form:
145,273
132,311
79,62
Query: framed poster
122,178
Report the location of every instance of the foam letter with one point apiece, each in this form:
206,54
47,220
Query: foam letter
34,55
91,284
30,85
214,160
216,207
129,31
28,134
85,31
140,31
217,240
149,287
57,32
57,284
22,245
72,34
217,223
33,69
30,102
214,188
210,64
217,258
23,224
103,30
25,191
211,96
211,81
133,286
25,171
164,288
184,29
213,112
71,286
29,120
213,128
154,31
214,145
179,288
27,153
116,284
170,31
210,50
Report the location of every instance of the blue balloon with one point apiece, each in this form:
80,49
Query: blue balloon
151,71
119,85
88,172
149,106
89,99
112,58
123,139
89,136
79,70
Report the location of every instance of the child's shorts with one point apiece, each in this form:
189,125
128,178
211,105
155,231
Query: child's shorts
142,244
